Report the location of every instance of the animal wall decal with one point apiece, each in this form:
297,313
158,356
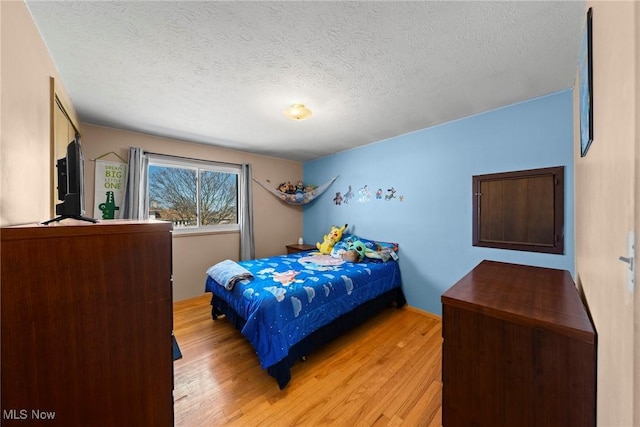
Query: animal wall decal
391,194
338,199
348,195
364,195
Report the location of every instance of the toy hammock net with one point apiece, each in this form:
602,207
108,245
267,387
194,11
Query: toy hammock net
301,198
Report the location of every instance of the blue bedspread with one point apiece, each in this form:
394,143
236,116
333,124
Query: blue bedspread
291,296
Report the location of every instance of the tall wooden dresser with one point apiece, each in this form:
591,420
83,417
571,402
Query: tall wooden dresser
519,350
86,324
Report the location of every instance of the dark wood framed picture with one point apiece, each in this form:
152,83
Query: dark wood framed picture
585,71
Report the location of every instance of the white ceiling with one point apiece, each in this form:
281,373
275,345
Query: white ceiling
222,72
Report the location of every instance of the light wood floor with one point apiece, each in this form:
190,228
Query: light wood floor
387,372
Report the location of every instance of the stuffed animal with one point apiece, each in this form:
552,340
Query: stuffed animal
291,188
331,239
350,256
299,196
283,187
358,251
355,252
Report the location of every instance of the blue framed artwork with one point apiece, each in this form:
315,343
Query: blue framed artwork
585,71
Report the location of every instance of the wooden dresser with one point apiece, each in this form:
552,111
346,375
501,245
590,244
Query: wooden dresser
86,324
295,248
519,350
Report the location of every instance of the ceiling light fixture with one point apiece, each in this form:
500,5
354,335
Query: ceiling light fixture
297,112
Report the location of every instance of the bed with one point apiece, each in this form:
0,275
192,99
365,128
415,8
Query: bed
288,305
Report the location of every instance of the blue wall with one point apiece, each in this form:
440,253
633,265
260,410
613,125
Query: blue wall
431,170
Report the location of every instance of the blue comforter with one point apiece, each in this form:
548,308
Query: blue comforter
291,296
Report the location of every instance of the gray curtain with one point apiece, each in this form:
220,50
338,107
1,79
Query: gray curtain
245,216
136,194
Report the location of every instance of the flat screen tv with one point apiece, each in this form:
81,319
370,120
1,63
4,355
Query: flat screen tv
71,184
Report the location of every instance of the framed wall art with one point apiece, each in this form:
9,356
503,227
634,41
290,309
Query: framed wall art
585,72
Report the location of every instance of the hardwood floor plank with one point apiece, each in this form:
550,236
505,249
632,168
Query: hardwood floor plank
419,378
436,421
425,408
386,372
378,379
395,390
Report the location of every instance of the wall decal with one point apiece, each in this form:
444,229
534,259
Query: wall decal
347,196
364,195
391,194
338,199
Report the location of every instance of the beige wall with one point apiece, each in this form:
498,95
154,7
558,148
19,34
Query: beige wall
276,223
25,160
605,198
26,164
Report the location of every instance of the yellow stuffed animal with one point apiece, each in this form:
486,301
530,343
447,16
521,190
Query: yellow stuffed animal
331,239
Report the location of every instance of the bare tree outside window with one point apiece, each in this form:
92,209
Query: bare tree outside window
193,196
173,194
218,198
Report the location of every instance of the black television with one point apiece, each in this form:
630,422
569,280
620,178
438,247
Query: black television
71,184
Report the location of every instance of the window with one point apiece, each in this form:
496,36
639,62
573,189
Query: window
522,210
194,195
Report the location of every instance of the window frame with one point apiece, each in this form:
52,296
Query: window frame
199,165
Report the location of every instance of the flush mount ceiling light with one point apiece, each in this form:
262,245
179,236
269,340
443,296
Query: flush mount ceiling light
297,112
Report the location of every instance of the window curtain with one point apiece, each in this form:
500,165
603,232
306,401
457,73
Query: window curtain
136,194
245,217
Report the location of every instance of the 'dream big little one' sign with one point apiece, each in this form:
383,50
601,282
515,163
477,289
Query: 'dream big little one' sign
110,181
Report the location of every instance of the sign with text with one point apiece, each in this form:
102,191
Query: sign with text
109,191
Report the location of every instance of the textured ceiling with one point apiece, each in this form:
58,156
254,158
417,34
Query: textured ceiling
222,72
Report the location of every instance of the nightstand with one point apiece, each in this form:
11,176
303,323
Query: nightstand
292,249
